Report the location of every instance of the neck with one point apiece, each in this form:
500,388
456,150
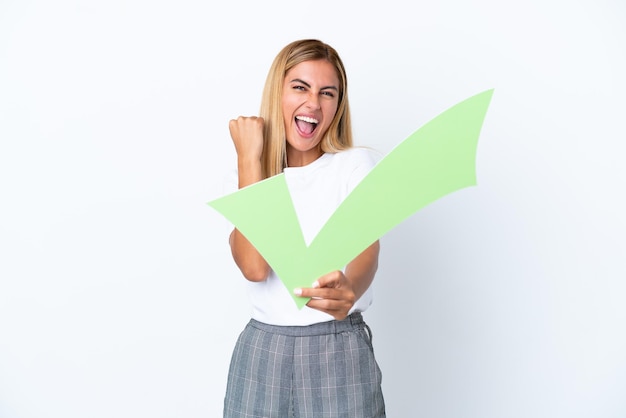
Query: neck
302,158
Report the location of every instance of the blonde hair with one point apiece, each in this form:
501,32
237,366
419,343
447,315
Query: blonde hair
339,134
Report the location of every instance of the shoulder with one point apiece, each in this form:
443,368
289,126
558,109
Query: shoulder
357,156
353,164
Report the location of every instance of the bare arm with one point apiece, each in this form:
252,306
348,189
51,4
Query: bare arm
335,293
360,272
247,135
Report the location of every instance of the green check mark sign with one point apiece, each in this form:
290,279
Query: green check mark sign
436,160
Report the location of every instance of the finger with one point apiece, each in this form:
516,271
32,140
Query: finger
328,299
334,308
332,279
232,126
319,293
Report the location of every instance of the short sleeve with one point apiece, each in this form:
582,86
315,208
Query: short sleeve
364,160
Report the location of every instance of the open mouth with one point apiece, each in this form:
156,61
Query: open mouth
306,125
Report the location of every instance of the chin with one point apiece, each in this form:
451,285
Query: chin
304,145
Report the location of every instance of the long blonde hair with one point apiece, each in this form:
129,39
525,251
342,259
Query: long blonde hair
339,134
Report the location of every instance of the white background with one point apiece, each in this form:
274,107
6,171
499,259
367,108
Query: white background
118,296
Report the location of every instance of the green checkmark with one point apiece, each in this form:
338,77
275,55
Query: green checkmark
436,160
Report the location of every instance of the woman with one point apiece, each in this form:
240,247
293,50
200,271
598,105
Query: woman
317,361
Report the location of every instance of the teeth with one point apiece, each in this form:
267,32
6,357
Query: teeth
307,119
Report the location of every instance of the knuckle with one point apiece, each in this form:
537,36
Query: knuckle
351,298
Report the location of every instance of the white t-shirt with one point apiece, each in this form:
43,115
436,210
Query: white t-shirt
316,189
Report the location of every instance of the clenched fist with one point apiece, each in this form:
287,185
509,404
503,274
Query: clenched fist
247,135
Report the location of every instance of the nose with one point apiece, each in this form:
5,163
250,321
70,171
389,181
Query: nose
313,101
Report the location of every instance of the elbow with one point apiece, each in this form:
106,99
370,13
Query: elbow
251,264
255,273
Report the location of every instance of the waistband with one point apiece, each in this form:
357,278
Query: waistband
352,322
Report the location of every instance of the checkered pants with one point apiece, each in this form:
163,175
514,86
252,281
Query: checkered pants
324,370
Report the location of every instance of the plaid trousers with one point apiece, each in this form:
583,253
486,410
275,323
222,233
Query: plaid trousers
324,370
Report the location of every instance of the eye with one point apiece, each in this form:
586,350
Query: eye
328,93
298,87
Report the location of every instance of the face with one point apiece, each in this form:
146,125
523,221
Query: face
310,100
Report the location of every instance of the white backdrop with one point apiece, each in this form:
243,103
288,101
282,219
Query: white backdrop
118,296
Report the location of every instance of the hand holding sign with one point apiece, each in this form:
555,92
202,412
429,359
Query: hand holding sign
437,159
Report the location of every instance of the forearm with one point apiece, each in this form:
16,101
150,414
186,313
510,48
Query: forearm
252,265
360,272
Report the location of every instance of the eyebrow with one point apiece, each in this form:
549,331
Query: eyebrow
297,80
